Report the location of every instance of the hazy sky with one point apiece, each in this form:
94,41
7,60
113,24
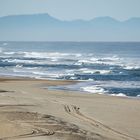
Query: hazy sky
73,9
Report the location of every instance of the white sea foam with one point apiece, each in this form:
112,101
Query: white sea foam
104,71
54,59
118,84
91,71
53,55
9,53
105,60
24,61
19,66
39,73
90,79
100,90
85,61
94,89
32,68
119,95
52,74
131,67
73,78
19,61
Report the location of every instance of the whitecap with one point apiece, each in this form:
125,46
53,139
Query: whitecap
9,53
131,67
119,95
90,79
38,73
52,55
104,61
19,61
94,89
91,71
54,59
19,66
73,78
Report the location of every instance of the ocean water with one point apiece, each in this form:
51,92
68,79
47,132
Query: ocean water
101,67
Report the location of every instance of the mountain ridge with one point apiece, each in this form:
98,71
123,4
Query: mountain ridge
46,14
47,28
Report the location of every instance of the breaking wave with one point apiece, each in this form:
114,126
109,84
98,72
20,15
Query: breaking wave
106,72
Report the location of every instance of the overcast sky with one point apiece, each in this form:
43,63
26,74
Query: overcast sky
73,9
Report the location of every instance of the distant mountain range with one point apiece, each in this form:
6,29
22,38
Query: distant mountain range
43,27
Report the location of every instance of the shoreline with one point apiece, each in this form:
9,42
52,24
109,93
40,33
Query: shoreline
29,112
65,82
61,83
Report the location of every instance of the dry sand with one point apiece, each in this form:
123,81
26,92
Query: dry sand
29,112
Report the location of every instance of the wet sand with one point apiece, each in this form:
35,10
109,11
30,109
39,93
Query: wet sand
29,112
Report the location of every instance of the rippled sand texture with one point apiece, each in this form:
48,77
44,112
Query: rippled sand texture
29,112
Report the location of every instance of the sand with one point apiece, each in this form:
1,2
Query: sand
29,112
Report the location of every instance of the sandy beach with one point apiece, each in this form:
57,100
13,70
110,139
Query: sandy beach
29,112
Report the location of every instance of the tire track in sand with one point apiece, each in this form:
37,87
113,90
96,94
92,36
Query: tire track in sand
75,111
34,133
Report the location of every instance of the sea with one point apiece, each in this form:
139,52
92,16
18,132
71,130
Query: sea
111,68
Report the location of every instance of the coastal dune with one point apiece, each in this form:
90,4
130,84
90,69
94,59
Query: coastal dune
30,112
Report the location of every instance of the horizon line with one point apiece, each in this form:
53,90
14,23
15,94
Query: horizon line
73,41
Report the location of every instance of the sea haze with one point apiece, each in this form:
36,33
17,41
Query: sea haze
101,67
43,27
